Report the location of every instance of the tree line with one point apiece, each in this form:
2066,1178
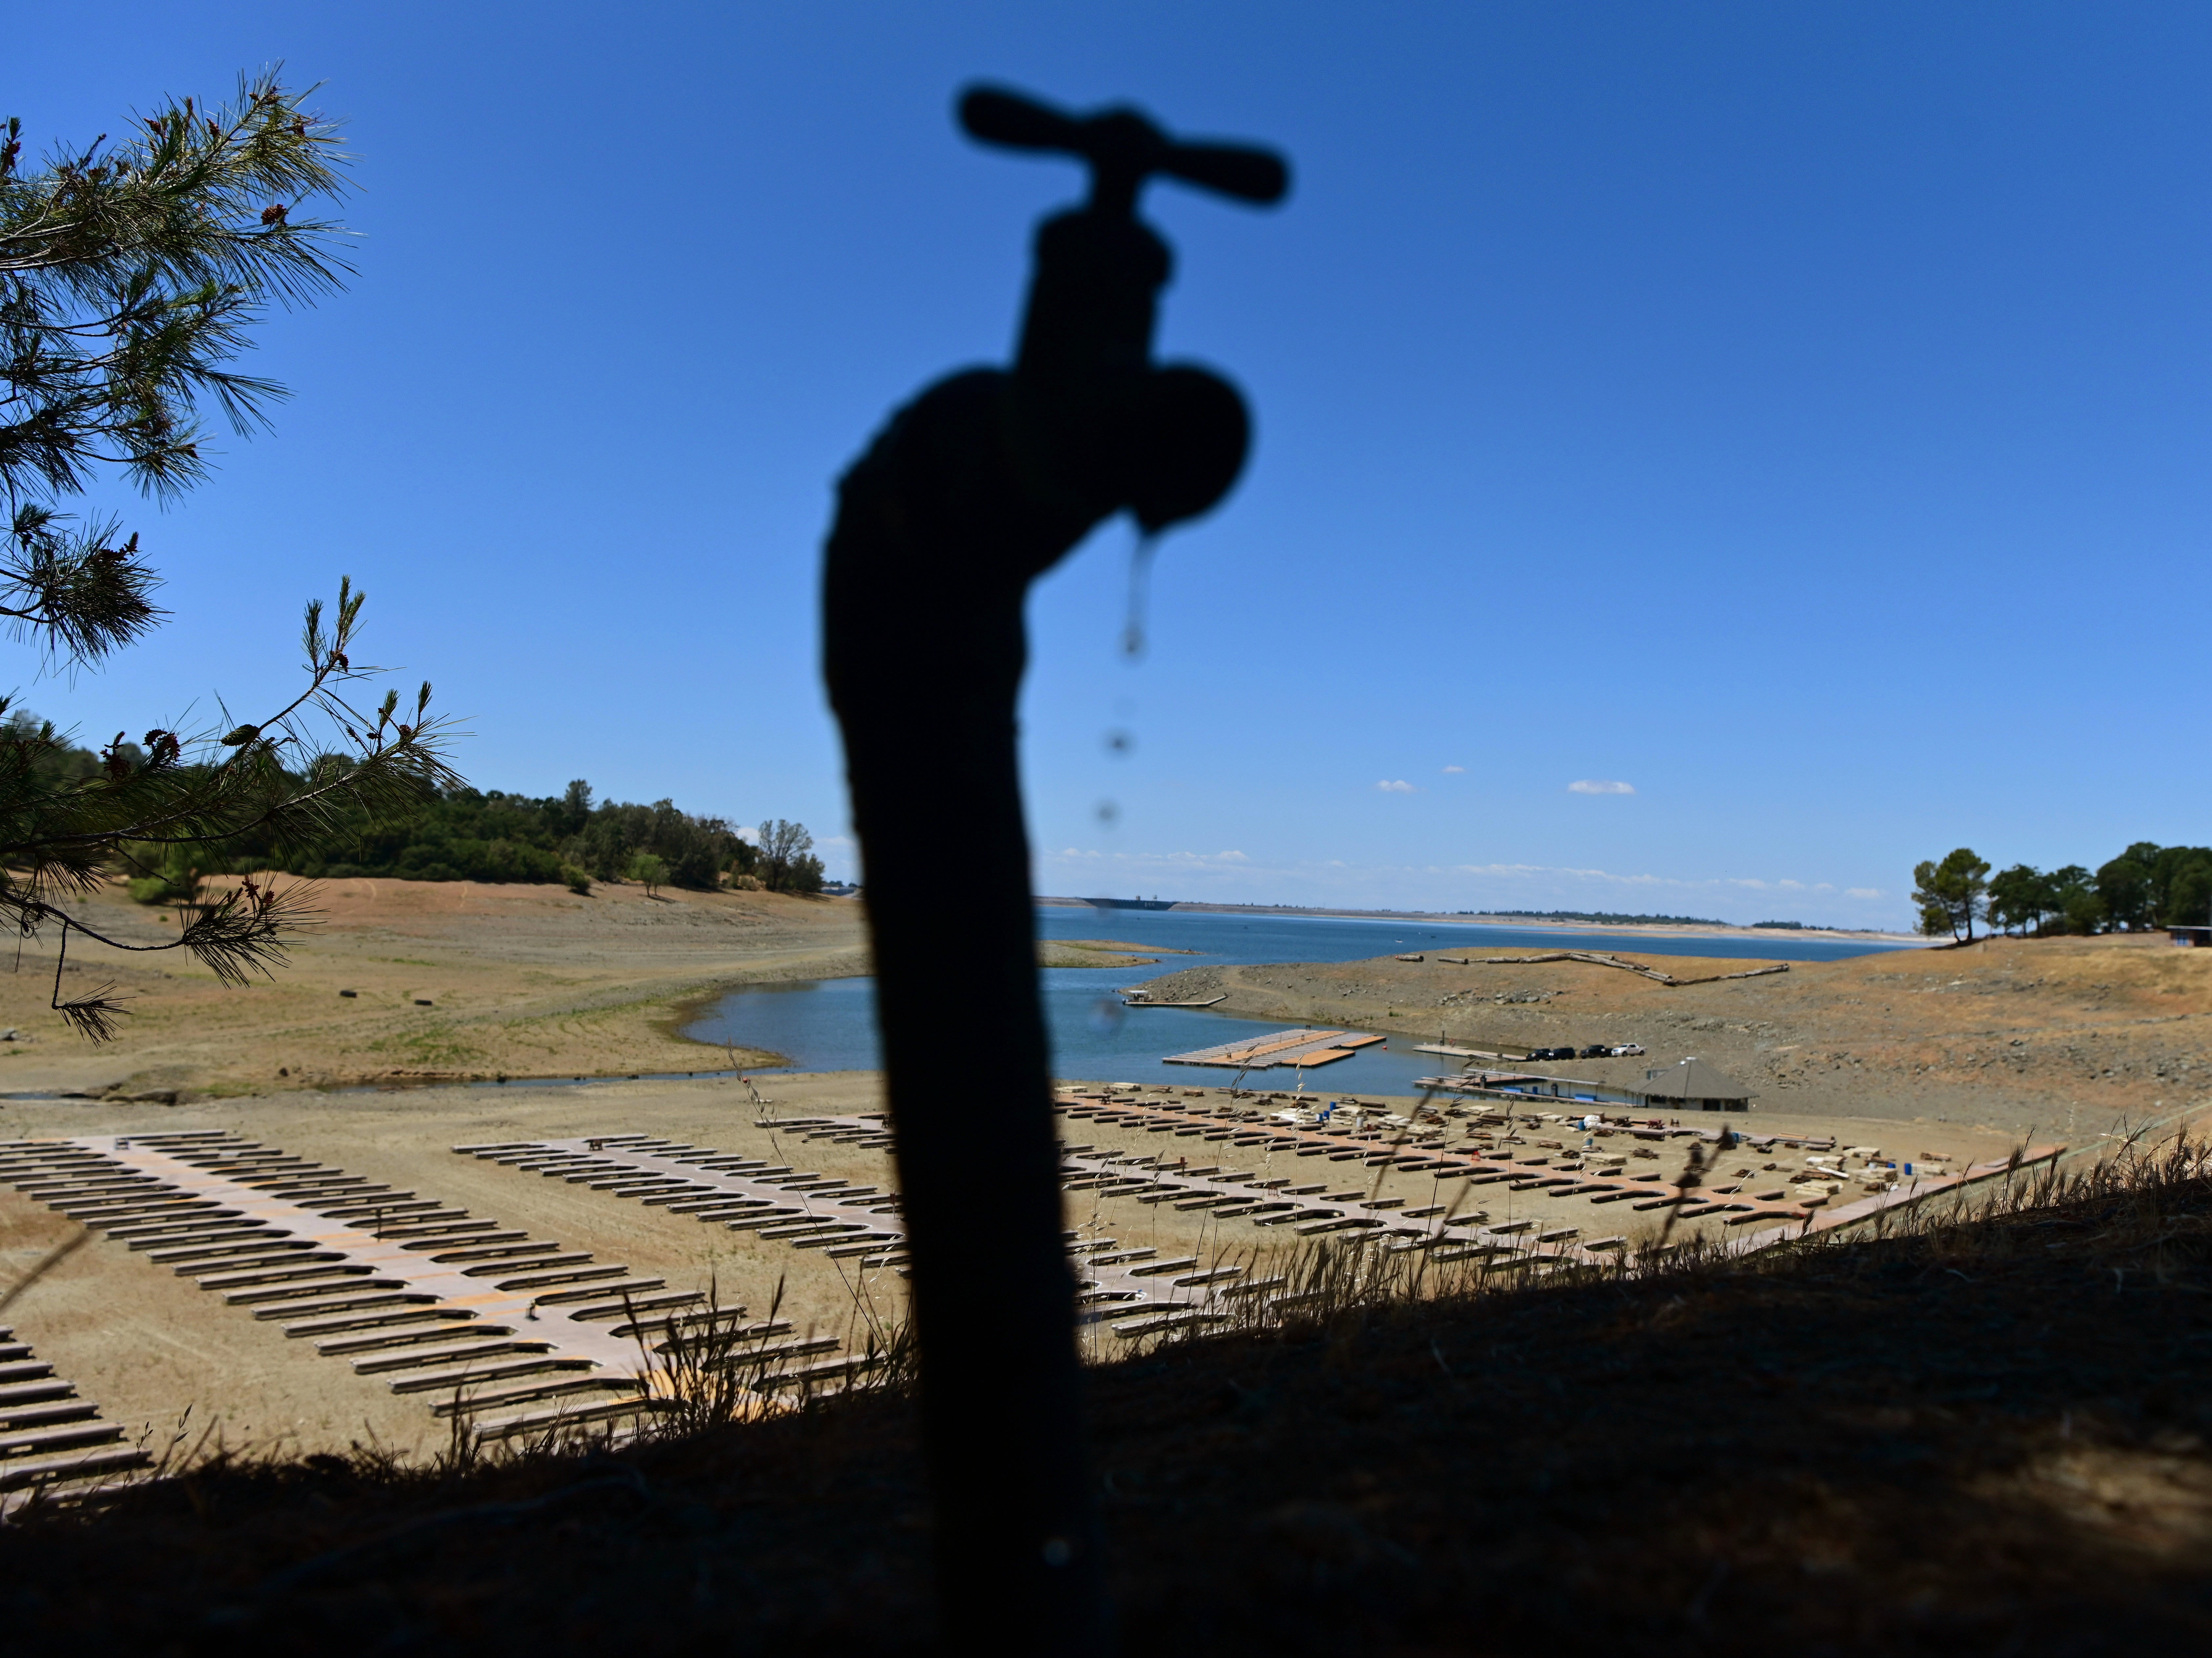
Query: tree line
462,834
470,834
2147,887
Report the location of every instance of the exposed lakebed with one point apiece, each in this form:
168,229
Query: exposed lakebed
830,1025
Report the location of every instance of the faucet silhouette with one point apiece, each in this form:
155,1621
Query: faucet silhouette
969,492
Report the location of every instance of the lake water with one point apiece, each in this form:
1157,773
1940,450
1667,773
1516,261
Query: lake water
830,1025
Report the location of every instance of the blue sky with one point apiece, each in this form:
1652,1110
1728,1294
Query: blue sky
1799,415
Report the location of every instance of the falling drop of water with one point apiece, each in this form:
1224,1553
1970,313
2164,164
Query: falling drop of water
1140,579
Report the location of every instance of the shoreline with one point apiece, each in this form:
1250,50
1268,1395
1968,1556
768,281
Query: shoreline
1653,929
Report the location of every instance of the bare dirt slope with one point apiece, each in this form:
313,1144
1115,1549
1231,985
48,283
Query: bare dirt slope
149,1344
2014,1035
451,979
1991,1440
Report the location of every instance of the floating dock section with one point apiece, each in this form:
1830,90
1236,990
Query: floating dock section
1299,1047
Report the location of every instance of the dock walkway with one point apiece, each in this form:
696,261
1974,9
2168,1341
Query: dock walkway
1299,1047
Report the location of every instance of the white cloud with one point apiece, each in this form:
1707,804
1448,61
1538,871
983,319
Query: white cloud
1593,785
1450,771
1862,892
1401,787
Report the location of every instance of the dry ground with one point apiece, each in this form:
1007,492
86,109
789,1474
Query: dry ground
1958,1445
162,1356
1988,1441
527,979
530,980
451,979
2057,1036
151,1345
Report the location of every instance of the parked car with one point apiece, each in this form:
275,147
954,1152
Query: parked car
1625,1050
1595,1051
1550,1052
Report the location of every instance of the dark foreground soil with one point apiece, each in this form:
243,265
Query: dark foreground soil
1991,1440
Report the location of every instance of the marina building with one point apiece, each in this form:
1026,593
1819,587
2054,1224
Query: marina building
1694,1086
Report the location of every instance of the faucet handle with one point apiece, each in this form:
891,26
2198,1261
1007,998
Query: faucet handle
1123,148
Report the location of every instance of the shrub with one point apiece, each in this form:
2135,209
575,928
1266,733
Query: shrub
579,880
648,870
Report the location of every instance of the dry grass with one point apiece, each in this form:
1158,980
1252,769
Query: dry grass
2005,1033
1979,1429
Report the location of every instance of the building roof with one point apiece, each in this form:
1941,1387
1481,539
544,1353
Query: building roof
1692,1079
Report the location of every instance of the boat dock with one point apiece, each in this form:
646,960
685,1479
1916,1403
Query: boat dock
1299,1047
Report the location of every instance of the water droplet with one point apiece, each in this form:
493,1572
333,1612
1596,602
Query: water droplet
1141,578
1119,744
1108,811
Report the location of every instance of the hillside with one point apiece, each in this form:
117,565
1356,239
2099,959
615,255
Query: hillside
2060,1034
451,979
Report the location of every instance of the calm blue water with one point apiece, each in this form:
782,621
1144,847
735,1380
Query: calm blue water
1238,940
830,1025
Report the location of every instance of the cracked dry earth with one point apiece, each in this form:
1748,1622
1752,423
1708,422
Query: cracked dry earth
2063,1037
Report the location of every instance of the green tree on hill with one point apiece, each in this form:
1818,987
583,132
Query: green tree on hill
457,833
2079,909
132,276
697,850
2125,887
2020,897
2177,883
2187,896
787,859
648,870
1951,894
2147,887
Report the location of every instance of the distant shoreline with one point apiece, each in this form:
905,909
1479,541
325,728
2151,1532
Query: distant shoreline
1656,929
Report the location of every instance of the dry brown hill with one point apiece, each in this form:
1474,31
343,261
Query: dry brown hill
450,979
2058,1034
